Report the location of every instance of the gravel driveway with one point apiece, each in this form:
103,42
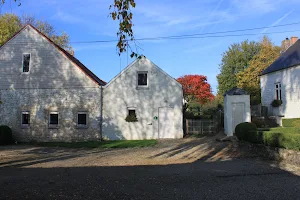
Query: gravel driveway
174,169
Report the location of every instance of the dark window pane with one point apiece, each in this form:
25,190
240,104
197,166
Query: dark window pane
81,119
131,113
26,62
53,118
142,79
25,118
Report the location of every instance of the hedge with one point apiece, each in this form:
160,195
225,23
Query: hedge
5,135
288,138
295,122
288,141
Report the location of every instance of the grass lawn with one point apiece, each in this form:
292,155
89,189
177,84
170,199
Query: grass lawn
99,144
284,130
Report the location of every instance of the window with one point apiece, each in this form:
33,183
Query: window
26,62
131,117
131,112
25,119
82,119
53,119
278,91
142,79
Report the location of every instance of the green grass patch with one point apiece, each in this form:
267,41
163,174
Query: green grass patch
283,137
291,122
98,144
284,130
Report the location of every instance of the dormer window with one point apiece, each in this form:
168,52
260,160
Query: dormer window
26,62
142,79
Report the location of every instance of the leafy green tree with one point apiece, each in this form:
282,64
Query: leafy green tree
11,23
235,60
249,78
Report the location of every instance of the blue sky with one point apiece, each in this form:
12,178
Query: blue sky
86,20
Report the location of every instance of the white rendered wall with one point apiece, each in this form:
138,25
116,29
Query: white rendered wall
228,115
290,92
122,93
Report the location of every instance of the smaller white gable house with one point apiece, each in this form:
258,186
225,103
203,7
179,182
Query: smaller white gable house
147,94
281,81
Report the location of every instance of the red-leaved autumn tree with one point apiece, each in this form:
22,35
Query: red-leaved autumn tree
196,87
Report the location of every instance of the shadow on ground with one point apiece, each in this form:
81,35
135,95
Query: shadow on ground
208,170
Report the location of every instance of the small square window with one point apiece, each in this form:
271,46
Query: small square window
25,119
26,62
82,119
53,119
131,112
142,79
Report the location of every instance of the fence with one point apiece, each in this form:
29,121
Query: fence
201,126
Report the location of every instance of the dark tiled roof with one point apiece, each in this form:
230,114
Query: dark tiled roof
68,55
289,58
235,91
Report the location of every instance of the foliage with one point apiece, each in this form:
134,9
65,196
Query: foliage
5,135
43,26
248,78
283,140
122,13
259,122
131,118
17,1
247,131
196,88
234,60
295,122
99,144
288,138
11,23
276,103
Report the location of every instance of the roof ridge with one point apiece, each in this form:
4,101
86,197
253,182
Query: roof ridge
74,60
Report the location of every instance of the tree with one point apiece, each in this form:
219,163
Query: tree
196,88
122,13
11,23
62,40
249,78
234,60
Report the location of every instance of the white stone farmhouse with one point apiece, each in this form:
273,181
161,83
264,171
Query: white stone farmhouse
46,94
281,81
148,93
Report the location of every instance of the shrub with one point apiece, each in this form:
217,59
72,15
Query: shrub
5,135
288,141
291,122
276,103
248,132
259,122
131,118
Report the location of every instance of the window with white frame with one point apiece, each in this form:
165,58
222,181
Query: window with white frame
53,119
26,62
82,119
278,91
142,79
25,119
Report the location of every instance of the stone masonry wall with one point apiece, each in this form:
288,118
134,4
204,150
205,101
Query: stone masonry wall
39,102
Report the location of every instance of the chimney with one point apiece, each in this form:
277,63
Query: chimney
293,40
285,44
